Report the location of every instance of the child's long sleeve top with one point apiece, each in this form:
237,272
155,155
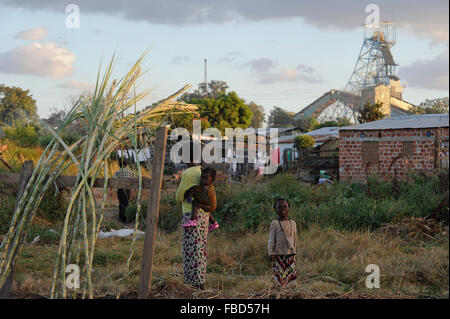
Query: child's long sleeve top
282,238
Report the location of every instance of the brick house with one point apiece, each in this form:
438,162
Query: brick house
393,146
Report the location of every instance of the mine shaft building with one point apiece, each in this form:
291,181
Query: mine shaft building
393,146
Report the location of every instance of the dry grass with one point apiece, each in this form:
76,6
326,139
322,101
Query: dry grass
331,264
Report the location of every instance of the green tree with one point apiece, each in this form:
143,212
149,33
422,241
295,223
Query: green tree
227,110
16,104
55,119
258,114
307,124
279,117
341,121
213,89
217,88
371,112
432,106
25,135
303,142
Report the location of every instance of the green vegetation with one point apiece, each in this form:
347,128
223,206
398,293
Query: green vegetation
258,114
432,106
24,135
303,142
16,104
279,117
371,112
345,206
338,238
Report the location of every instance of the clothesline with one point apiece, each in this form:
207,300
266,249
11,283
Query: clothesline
143,155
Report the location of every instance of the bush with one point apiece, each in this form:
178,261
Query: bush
68,137
51,208
344,206
169,213
130,213
22,135
44,140
304,142
7,203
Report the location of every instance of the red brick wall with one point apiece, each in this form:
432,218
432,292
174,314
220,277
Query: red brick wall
390,143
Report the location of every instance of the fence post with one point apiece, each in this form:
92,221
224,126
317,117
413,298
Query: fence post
159,154
25,175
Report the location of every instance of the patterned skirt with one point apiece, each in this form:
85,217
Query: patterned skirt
194,249
284,269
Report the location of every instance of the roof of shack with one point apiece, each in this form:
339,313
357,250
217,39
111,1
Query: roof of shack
403,122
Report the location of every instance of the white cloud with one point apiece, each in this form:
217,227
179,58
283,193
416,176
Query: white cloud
429,74
267,71
77,85
423,18
41,59
37,33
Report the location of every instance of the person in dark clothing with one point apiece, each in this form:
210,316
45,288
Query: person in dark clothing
123,194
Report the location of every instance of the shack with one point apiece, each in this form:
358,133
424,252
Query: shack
393,146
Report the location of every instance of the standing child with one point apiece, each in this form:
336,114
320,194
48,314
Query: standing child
282,244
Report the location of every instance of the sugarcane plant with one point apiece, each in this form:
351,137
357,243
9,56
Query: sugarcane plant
110,120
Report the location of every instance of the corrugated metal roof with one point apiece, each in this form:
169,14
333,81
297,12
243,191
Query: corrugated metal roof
403,122
331,130
323,134
265,131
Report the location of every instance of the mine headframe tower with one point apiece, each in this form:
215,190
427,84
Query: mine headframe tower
375,64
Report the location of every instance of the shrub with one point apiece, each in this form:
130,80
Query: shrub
44,140
303,142
130,213
344,206
68,137
24,135
7,203
51,208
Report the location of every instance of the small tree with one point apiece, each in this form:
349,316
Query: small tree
258,114
303,143
16,104
433,106
307,124
279,117
371,112
24,135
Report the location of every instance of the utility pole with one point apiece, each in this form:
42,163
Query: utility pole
205,80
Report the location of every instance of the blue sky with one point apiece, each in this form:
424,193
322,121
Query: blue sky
284,56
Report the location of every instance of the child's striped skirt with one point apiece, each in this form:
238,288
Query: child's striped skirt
284,269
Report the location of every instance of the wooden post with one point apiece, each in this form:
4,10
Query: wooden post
25,175
159,154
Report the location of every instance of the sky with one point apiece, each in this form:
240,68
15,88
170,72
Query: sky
283,53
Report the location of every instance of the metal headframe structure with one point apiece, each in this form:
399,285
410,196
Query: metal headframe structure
375,65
